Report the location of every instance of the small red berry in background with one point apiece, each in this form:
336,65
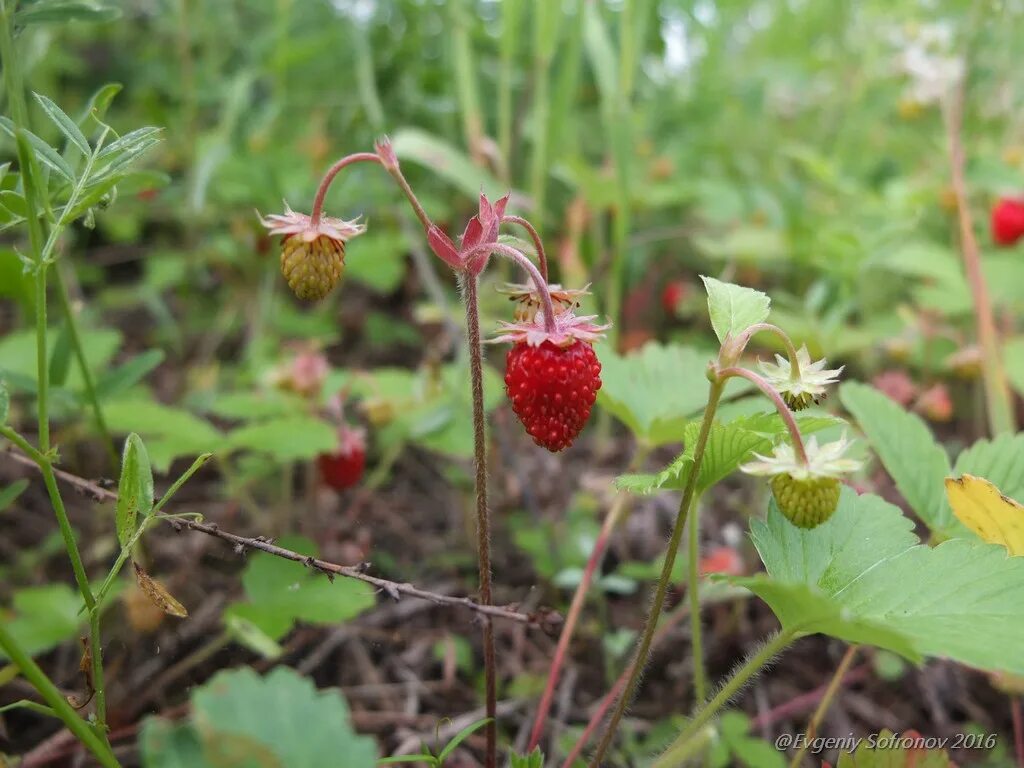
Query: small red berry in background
672,295
344,468
722,560
935,403
1008,221
552,389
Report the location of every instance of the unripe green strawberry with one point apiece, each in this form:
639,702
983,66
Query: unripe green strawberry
312,269
806,503
312,250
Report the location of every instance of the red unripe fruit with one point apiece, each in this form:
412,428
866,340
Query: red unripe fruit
1008,221
552,389
343,469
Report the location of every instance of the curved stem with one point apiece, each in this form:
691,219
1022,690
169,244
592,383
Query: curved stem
483,522
524,261
780,405
60,706
334,170
823,705
542,258
794,363
766,653
658,602
700,676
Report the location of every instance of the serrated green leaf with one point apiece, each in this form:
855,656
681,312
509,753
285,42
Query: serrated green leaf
1000,461
288,438
729,445
281,592
170,745
657,389
305,728
864,577
909,453
134,490
64,123
733,307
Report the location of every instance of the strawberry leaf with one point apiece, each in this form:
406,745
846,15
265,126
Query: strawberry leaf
734,308
960,600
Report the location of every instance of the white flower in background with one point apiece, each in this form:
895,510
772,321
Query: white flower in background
926,55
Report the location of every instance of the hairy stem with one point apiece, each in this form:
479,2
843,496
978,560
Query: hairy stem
700,676
794,362
60,706
658,602
780,405
825,703
776,645
483,522
332,172
542,259
522,260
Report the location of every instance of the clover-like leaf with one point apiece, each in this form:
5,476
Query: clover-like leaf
864,577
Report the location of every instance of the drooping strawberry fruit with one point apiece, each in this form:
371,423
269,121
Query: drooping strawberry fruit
1008,221
344,468
552,376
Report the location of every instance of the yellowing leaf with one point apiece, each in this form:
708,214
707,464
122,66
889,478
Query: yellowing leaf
980,506
158,594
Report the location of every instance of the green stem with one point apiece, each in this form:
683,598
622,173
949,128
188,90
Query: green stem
56,700
700,677
658,602
680,747
83,365
823,705
483,522
545,18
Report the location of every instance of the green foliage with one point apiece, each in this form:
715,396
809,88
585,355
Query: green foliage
11,493
533,760
239,718
448,162
280,593
729,445
169,432
863,577
919,465
887,750
5,403
134,489
656,390
41,618
736,746
288,438
734,307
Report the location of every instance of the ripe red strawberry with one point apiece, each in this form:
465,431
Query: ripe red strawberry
1008,221
552,375
344,468
552,389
